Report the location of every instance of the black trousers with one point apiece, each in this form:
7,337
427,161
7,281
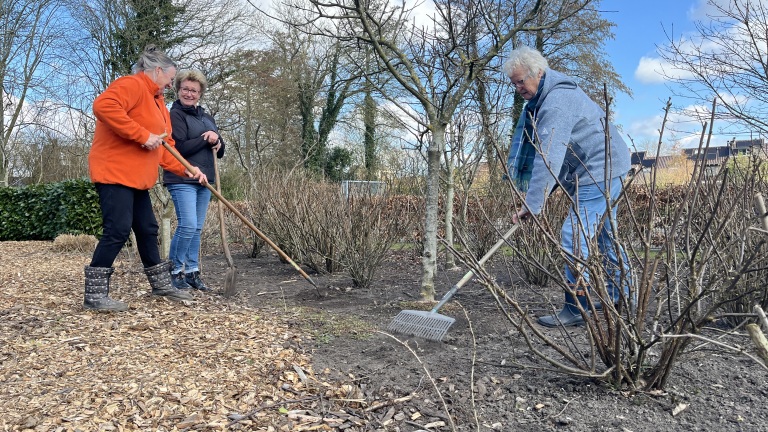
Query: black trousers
124,208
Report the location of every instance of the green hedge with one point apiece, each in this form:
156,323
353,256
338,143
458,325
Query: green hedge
42,212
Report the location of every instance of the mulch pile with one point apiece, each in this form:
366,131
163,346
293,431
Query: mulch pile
211,364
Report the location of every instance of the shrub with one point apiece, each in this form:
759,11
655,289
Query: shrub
314,224
82,243
41,212
707,265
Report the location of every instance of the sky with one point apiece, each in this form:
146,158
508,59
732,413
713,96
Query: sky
641,27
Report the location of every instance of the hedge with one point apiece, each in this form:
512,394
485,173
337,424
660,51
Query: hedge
42,212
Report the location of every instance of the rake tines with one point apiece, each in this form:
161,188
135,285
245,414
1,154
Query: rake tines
431,325
428,325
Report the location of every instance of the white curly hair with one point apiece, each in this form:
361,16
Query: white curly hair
527,58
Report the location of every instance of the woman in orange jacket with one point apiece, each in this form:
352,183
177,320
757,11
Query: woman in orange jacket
131,123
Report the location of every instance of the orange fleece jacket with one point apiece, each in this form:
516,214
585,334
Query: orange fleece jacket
126,112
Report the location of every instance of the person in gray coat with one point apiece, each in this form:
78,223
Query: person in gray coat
560,141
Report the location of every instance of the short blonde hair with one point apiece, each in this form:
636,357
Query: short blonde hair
191,75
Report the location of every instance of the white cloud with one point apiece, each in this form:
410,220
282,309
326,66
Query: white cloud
682,129
655,70
422,12
703,9
649,71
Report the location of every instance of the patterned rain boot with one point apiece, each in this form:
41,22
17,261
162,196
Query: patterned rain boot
159,277
97,291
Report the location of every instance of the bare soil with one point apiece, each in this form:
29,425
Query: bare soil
476,366
282,355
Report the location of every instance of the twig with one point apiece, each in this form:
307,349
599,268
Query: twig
763,319
564,408
474,362
266,406
388,403
760,342
720,344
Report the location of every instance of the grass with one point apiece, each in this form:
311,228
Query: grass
325,327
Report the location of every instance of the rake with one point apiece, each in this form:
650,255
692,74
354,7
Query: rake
432,325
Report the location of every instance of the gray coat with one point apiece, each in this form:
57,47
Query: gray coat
571,141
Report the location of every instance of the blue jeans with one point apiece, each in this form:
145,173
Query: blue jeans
191,203
592,205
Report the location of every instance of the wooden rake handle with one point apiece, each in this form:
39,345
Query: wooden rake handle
237,213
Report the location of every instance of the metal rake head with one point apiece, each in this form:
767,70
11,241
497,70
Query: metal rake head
427,325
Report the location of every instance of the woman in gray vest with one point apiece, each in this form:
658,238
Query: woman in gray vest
196,135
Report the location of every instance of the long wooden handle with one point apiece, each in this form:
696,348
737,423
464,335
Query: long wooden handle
220,208
237,213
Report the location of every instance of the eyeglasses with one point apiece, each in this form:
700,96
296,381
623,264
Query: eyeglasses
520,83
189,90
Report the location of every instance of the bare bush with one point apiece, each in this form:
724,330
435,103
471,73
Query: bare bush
536,263
315,224
486,217
707,266
739,181
238,233
81,243
301,216
371,227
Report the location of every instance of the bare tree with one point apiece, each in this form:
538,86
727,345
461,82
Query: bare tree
725,60
27,34
257,108
328,76
434,65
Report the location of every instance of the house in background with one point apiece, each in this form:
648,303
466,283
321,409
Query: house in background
642,162
718,155
712,157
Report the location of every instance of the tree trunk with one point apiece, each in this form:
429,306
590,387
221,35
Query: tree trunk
369,138
429,258
450,190
165,231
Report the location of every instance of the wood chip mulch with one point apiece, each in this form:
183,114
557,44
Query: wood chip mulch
212,364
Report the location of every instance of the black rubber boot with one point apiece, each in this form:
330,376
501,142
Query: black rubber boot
179,281
193,280
569,316
566,318
159,277
97,291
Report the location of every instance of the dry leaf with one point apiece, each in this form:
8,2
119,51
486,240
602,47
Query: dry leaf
679,408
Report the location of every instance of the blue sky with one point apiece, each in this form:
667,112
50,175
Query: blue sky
640,29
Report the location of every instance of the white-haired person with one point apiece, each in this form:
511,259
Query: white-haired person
197,137
560,140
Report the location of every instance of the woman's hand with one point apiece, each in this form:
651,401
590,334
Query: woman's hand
212,137
197,175
520,216
153,142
